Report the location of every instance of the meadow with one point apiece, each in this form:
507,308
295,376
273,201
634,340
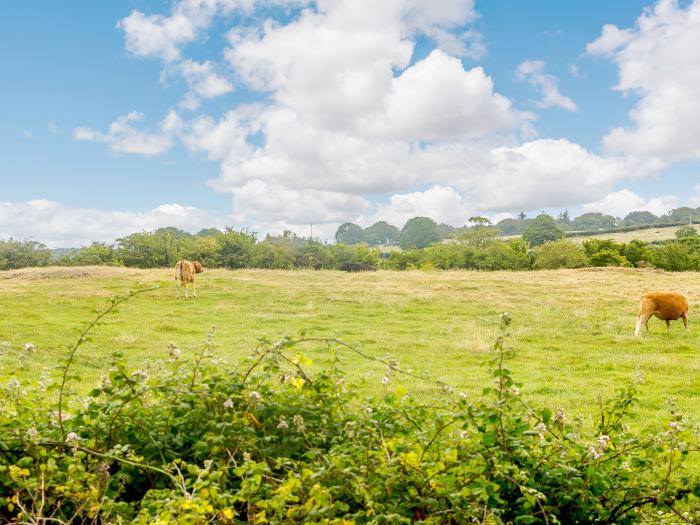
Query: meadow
572,329
666,233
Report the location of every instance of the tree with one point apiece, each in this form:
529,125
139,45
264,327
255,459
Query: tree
349,233
511,226
593,221
541,229
522,216
20,254
479,221
381,233
639,218
419,232
236,248
564,220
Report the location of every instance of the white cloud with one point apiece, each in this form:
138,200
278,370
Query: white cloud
122,136
62,226
347,116
622,202
163,36
575,72
694,200
260,202
657,61
532,71
440,203
203,81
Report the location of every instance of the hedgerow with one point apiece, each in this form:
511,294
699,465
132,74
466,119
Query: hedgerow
276,439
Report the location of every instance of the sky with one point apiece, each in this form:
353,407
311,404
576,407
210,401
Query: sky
126,116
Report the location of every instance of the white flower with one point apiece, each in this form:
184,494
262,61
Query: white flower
72,438
675,426
246,456
340,381
44,380
254,397
14,384
559,417
463,396
603,441
140,375
299,423
385,380
32,434
463,434
594,453
283,423
105,382
514,390
174,353
541,429
228,403
65,416
29,347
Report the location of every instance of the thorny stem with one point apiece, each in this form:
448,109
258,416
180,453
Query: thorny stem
81,339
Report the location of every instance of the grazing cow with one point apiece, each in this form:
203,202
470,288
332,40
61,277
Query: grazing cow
667,306
184,274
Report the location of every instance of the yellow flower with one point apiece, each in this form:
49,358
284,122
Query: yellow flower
228,513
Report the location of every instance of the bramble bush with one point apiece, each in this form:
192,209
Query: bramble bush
276,440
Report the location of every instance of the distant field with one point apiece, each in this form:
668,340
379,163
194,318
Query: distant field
647,235
572,328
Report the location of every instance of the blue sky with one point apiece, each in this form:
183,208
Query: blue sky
271,114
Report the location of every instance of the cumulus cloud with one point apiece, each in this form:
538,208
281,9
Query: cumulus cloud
122,136
345,114
441,203
203,81
532,71
62,226
657,61
622,202
258,202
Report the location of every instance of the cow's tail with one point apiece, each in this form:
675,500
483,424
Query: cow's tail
179,271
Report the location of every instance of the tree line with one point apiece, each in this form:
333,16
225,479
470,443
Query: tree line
422,231
542,246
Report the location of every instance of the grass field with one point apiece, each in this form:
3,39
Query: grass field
572,329
646,235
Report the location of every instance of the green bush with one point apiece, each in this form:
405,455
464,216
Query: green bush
607,257
560,254
676,256
189,440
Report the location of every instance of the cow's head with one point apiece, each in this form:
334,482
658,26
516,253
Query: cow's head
198,268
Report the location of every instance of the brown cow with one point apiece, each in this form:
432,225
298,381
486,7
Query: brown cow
667,306
184,274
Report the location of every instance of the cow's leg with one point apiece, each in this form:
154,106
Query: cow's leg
668,326
177,288
642,319
685,321
187,288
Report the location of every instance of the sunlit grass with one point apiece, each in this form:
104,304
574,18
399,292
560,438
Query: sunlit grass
572,329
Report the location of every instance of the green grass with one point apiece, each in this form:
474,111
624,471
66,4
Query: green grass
572,329
646,235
